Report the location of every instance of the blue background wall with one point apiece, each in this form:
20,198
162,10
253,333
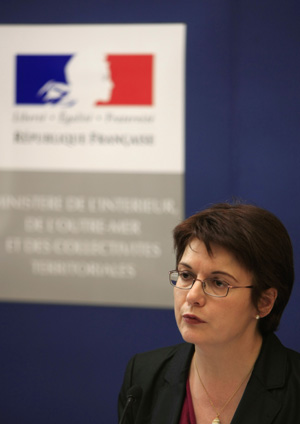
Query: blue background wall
64,364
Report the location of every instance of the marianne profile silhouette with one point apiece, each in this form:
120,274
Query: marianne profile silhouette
87,81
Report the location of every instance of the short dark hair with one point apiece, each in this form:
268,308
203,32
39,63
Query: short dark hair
259,241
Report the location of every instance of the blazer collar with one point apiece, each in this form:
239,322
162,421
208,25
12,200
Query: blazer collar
258,404
270,367
171,395
180,365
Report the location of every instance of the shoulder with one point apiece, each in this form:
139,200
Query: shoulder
161,357
279,360
275,345
153,371
154,366
164,352
293,361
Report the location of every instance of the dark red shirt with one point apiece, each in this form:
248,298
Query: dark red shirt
187,413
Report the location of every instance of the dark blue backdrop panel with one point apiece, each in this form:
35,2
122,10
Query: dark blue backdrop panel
266,126
65,364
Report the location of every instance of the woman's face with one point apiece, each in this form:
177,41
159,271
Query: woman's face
210,321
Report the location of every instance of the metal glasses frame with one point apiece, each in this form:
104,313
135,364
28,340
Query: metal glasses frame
203,282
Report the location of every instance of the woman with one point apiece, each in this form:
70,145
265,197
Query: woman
233,278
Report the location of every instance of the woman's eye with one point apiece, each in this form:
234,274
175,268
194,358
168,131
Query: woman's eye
219,284
186,276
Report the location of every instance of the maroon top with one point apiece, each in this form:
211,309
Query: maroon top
187,413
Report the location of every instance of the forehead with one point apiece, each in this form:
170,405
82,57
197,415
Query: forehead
197,250
220,259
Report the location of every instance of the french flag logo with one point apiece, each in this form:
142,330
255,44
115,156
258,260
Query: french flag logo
85,80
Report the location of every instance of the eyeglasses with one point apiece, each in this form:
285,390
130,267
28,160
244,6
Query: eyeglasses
215,287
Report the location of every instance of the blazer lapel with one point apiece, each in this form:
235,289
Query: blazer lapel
259,405
171,395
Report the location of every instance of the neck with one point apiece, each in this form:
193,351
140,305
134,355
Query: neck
233,360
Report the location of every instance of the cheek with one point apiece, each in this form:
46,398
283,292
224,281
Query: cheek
236,313
179,299
247,306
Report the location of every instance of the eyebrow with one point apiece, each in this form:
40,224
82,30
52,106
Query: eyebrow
185,264
213,272
226,274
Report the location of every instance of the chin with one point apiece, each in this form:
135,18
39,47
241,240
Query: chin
189,336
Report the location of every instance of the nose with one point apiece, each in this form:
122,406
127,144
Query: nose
196,295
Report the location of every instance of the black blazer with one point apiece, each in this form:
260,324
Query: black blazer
272,395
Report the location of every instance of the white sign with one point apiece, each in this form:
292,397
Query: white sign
91,162
92,97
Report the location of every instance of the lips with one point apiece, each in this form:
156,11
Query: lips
192,319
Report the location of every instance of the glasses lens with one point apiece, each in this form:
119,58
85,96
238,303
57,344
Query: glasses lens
215,287
173,277
181,279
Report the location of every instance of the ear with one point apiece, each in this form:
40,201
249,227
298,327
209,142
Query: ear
266,302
